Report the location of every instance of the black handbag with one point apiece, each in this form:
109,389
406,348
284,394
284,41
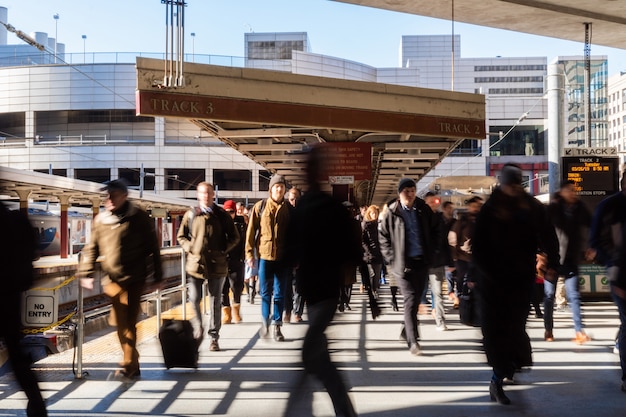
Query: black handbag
468,307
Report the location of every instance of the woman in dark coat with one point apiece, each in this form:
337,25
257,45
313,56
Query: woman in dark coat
511,229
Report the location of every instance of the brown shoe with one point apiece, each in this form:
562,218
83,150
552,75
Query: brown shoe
548,336
581,337
287,318
297,318
214,346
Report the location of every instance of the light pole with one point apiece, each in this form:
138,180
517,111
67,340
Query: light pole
193,46
56,34
84,49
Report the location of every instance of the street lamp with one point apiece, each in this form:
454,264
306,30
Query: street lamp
56,35
193,46
84,49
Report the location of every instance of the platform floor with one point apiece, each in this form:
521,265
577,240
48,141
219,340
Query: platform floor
256,377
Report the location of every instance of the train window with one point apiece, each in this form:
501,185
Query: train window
100,175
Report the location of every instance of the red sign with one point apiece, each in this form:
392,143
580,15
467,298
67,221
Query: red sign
350,159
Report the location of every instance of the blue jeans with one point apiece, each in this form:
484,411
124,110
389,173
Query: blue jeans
621,336
272,282
215,287
573,299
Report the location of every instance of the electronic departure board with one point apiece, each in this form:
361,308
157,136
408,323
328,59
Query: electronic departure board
596,177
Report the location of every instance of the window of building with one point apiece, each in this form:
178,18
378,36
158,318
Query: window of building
133,176
624,96
273,49
183,179
13,125
264,180
510,68
99,175
233,179
480,80
469,147
516,91
55,171
526,140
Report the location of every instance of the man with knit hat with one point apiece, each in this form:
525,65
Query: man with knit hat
408,230
265,238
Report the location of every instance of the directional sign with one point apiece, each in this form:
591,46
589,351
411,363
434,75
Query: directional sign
590,151
596,177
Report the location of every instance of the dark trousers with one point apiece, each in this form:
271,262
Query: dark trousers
125,303
411,286
234,282
317,359
10,330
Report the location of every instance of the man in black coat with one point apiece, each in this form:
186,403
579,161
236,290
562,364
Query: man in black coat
322,244
511,228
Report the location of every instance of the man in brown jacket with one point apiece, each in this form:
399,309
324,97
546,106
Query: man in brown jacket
265,238
207,233
124,236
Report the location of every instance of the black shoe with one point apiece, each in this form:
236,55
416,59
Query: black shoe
341,308
278,336
539,315
403,335
394,304
497,394
348,307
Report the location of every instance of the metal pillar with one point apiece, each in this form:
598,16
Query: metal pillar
556,124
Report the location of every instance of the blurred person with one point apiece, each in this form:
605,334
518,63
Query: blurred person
265,237
571,220
235,280
207,233
124,236
17,252
345,293
323,246
441,258
460,240
408,232
447,210
510,229
293,300
608,234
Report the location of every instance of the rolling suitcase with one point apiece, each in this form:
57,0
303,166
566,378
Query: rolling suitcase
180,349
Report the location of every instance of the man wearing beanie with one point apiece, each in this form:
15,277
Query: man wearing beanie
265,239
408,230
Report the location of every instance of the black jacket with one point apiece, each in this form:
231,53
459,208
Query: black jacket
392,235
571,224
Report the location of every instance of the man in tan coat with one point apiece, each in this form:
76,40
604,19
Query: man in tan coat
266,237
125,236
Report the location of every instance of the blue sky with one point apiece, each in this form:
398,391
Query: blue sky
361,34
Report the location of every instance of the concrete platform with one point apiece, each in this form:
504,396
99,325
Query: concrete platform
256,377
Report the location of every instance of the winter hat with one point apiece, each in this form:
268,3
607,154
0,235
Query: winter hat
115,185
404,183
229,205
276,179
511,175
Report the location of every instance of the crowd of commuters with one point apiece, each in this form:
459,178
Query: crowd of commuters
300,249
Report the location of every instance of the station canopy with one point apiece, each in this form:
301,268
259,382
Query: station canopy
562,19
380,132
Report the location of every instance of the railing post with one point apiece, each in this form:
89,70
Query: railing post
183,275
158,311
80,329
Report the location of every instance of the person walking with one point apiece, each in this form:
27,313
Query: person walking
608,234
408,232
441,258
265,236
372,256
511,228
293,301
571,220
447,211
17,252
322,245
124,236
207,233
235,281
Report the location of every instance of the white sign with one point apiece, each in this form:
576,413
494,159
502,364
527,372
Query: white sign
611,151
341,179
40,308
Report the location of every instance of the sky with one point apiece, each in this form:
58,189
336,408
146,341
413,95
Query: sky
366,35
